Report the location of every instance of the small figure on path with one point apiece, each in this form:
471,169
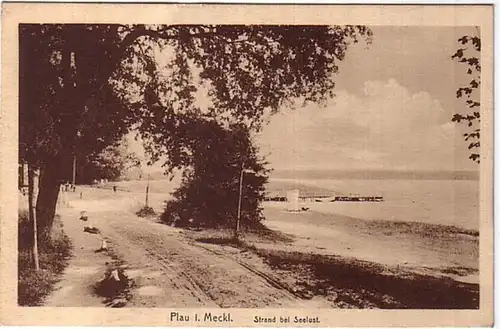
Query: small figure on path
91,230
114,188
83,216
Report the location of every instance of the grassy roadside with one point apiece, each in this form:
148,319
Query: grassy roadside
348,282
351,283
33,286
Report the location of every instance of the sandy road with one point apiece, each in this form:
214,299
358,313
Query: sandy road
169,270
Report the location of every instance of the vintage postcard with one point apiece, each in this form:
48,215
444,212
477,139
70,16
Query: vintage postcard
247,165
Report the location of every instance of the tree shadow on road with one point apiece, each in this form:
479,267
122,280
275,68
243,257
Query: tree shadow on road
352,283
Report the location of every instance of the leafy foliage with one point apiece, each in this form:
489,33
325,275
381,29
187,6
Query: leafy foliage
239,72
82,87
66,104
146,211
112,163
67,107
208,195
470,92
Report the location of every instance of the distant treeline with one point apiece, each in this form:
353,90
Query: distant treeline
358,174
376,174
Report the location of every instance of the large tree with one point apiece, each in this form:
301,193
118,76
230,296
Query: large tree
224,173
66,106
83,86
469,55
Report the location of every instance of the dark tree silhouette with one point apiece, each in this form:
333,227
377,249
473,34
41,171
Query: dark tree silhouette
82,87
66,106
112,163
208,195
469,54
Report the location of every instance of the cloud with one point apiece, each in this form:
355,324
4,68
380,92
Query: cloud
385,127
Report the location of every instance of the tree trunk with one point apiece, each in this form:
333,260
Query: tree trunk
47,200
21,176
32,216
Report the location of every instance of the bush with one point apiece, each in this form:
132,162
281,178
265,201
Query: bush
34,286
146,211
25,231
209,191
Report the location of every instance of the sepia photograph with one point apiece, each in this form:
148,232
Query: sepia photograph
204,167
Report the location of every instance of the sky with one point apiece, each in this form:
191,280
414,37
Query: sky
392,110
393,107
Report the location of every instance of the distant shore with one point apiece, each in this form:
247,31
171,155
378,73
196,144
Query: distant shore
375,174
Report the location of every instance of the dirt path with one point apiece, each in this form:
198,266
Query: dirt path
170,271
167,268
85,268
171,268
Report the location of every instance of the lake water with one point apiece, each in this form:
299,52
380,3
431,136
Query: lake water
448,202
